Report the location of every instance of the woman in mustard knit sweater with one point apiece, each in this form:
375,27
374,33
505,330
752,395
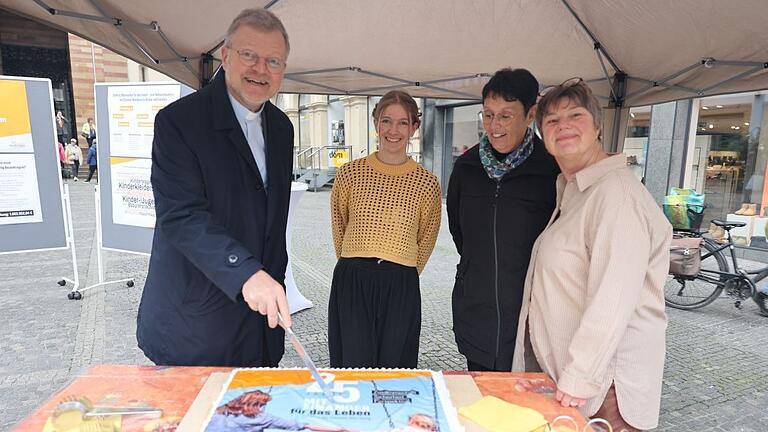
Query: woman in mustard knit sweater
385,210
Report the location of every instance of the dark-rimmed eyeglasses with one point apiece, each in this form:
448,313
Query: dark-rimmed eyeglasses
570,82
250,58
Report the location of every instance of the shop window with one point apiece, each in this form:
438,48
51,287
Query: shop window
373,140
636,141
466,129
336,119
730,161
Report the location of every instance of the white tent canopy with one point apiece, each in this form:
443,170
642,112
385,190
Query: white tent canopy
659,50
631,52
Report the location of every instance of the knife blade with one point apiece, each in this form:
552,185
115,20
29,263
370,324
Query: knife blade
305,358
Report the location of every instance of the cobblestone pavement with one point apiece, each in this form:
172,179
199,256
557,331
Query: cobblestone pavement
716,376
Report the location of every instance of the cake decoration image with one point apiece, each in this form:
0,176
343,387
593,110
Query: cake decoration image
361,400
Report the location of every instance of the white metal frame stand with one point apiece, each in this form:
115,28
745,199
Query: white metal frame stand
70,235
77,294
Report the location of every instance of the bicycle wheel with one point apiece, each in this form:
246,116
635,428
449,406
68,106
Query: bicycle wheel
682,293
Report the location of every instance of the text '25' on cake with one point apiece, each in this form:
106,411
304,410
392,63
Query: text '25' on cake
361,400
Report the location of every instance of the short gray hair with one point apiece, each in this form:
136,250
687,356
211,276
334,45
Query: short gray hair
259,19
580,94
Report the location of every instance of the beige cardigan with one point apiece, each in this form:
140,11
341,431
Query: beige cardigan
593,295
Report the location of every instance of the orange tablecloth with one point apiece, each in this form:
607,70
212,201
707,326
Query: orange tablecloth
173,389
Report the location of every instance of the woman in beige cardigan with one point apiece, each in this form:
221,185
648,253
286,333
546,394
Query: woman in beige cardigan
593,309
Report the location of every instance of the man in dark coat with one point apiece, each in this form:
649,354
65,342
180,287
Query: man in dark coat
221,168
500,197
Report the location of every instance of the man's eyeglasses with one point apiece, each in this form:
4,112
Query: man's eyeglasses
570,82
250,58
504,118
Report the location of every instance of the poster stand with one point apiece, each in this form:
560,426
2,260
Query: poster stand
76,293
70,239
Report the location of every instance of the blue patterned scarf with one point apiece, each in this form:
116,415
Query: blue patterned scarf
497,169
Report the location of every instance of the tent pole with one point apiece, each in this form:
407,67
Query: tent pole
596,42
329,88
319,71
667,85
667,78
206,69
104,19
736,77
407,83
619,90
120,24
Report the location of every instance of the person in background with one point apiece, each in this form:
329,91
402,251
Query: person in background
89,131
593,314
74,156
61,127
385,215
92,161
500,195
62,160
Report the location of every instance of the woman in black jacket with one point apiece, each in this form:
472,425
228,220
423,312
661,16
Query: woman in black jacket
500,197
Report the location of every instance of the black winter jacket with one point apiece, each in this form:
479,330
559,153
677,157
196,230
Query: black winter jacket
494,225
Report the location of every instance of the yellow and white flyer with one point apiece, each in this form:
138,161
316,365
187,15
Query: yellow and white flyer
133,202
19,196
15,129
132,111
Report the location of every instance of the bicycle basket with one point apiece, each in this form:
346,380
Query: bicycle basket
684,216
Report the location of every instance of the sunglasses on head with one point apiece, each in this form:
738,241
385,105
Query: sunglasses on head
570,82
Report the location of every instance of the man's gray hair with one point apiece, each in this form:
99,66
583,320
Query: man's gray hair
259,19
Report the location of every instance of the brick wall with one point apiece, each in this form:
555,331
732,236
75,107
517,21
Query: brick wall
16,30
31,49
109,67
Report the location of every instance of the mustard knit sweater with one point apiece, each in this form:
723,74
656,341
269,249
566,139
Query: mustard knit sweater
385,211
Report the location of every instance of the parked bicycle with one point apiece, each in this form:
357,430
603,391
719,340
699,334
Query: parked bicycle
715,277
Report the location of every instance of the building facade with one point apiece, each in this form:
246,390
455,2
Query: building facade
73,64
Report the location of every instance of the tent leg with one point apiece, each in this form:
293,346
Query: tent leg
619,86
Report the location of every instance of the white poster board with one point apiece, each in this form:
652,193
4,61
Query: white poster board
125,116
31,201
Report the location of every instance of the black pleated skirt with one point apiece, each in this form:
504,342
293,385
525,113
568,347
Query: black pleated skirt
374,314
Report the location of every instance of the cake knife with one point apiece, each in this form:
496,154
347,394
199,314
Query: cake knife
305,358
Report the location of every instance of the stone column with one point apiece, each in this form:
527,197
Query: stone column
356,124
318,126
289,103
667,147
